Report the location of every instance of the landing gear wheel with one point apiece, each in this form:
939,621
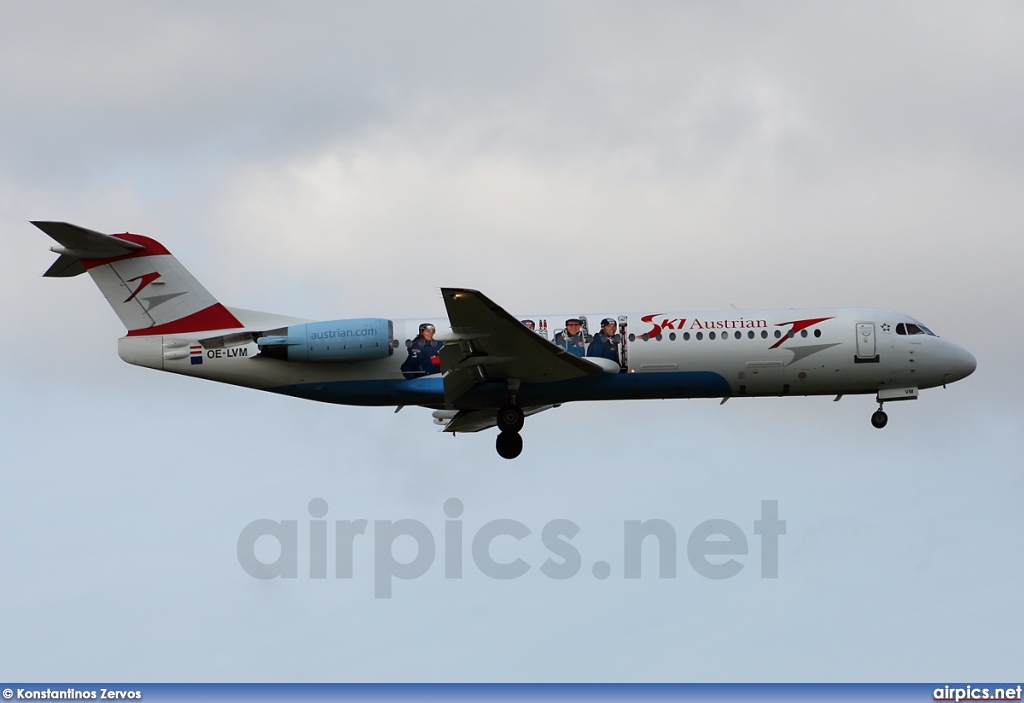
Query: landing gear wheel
879,419
510,418
509,445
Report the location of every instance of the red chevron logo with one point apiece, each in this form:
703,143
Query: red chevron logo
145,279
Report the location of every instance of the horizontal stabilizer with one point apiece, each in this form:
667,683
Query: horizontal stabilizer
77,243
65,267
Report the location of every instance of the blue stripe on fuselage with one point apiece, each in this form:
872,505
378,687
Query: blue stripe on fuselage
430,390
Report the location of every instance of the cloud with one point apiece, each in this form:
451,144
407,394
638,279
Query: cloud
331,160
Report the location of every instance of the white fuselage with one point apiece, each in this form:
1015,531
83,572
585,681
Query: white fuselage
482,367
679,354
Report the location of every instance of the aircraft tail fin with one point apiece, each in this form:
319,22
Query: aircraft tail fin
146,286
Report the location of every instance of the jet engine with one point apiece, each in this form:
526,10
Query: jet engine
362,339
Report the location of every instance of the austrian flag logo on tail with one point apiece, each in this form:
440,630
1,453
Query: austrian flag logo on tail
196,354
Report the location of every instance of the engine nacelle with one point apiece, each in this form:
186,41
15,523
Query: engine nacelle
363,339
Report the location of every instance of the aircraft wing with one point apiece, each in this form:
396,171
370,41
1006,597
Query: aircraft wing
477,420
487,344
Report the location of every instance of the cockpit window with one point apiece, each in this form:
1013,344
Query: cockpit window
911,328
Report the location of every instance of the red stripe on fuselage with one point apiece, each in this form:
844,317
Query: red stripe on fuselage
215,317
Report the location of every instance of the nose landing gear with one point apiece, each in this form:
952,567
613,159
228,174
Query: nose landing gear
509,443
879,419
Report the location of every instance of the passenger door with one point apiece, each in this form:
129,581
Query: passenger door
866,342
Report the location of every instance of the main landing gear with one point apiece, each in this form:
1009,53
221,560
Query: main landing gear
510,420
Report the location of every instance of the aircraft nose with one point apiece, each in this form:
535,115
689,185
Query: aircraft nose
963,364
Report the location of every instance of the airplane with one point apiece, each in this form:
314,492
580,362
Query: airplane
483,367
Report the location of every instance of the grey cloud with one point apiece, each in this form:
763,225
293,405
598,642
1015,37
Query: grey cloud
683,89
346,159
104,86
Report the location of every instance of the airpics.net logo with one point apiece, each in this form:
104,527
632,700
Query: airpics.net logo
713,548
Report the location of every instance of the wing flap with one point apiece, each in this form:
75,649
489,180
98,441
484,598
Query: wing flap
478,420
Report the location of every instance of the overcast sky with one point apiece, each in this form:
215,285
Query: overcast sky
333,160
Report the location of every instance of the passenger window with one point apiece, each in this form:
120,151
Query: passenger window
700,335
711,335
